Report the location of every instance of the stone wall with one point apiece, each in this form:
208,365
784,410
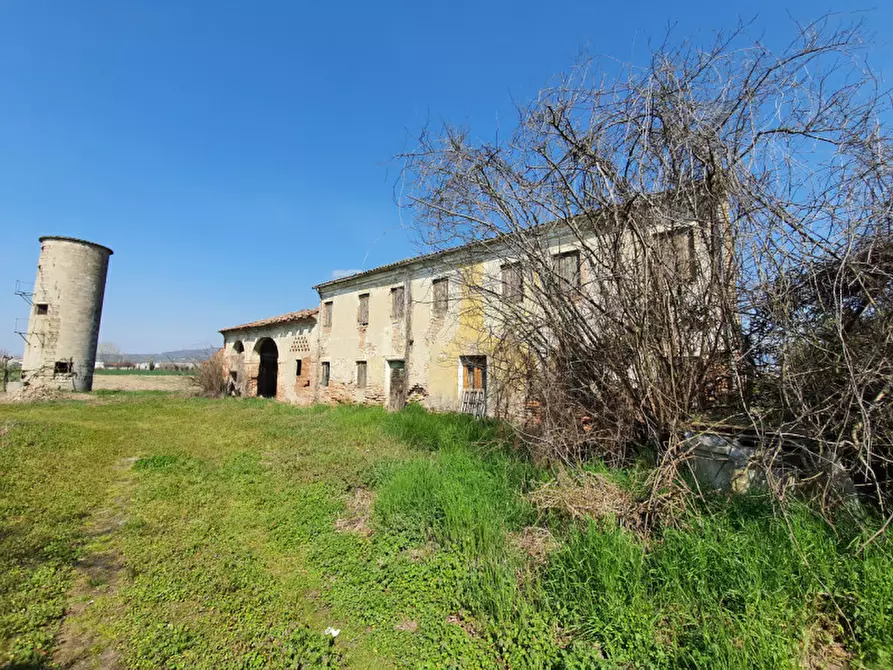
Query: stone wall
294,341
63,329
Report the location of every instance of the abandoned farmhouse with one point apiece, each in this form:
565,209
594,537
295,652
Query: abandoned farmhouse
417,330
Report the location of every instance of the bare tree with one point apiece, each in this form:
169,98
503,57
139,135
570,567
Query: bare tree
108,352
726,213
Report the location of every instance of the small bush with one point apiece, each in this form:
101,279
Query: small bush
210,380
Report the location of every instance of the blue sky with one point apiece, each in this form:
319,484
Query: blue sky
233,154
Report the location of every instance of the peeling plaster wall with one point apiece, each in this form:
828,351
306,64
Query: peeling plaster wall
431,345
344,342
294,341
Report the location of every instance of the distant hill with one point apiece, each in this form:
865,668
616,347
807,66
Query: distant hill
178,356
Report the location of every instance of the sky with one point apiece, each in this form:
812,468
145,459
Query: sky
234,154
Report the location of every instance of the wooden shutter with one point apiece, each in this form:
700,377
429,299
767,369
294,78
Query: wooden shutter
397,302
675,251
512,282
567,267
363,311
441,296
473,371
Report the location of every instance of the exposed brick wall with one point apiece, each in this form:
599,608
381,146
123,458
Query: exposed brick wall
302,385
337,393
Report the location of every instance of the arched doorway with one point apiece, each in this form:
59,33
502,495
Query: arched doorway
236,379
268,371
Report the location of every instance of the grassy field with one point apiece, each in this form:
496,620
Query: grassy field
147,530
157,372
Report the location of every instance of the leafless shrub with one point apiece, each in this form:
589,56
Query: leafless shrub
730,208
210,379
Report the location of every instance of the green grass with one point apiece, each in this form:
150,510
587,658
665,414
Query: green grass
222,515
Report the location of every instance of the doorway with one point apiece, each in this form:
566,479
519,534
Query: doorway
397,395
474,385
268,371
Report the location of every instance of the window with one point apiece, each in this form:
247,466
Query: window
363,310
567,267
41,308
675,250
62,368
441,296
512,283
326,369
238,347
327,314
361,374
474,385
474,373
397,303
298,367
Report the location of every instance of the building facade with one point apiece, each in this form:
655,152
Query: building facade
272,358
431,329
400,333
434,329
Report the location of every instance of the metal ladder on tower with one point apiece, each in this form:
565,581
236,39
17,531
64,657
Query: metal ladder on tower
25,291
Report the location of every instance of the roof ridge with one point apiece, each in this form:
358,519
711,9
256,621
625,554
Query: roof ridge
273,320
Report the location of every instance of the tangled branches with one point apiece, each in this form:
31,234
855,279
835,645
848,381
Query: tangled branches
706,236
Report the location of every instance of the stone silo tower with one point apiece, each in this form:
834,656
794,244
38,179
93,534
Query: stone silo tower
63,329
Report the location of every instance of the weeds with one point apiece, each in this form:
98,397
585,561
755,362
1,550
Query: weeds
254,526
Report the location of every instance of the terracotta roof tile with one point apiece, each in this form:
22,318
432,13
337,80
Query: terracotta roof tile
275,320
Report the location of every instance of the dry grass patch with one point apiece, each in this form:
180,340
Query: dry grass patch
465,623
407,625
423,553
358,512
534,542
586,495
822,649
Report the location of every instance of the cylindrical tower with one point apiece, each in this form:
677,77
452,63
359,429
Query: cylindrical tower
63,329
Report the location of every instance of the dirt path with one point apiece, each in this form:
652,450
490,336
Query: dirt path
141,382
97,575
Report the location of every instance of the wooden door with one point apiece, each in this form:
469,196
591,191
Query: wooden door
474,385
397,398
